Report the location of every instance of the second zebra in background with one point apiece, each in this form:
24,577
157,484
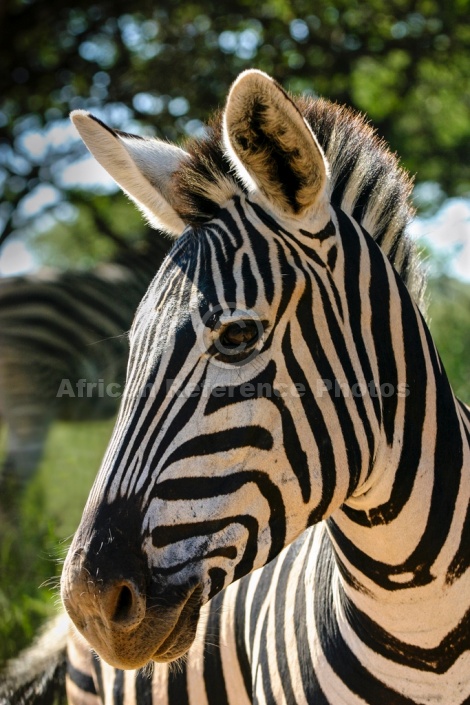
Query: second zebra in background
64,348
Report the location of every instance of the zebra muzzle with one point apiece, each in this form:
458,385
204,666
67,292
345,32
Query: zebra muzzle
128,619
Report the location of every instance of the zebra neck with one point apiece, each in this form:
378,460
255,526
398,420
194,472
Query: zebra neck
385,642
403,577
404,523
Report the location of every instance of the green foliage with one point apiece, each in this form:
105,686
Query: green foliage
449,317
89,233
27,547
160,68
34,536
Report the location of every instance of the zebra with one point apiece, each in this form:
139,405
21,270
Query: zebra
60,327
283,508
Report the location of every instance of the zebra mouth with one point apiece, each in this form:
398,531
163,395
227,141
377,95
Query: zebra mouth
126,638
182,635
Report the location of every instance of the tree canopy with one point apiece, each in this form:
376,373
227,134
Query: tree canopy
162,67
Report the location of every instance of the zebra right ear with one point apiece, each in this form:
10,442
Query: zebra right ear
143,168
272,147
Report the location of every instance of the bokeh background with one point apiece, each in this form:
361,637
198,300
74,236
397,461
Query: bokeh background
159,68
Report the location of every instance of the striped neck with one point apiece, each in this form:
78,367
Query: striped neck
402,540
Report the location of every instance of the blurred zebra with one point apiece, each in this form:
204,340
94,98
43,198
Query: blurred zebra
60,327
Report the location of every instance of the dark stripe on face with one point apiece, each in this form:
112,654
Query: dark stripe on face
288,279
225,257
222,442
262,384
179,421
163,536
217,577
250,285
289,240
175,364
308,253
297,457
260,248
222,397
208,487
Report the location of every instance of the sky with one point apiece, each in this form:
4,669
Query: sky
448,233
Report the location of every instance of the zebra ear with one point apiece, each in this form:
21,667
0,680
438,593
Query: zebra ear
143,168
271,146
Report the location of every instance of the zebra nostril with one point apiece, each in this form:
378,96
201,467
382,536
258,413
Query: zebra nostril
124,605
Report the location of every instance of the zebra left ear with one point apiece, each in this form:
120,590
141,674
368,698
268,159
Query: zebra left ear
143,168
271,146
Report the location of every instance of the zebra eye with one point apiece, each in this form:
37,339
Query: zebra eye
240,335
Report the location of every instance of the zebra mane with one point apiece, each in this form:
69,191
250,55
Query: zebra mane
367,181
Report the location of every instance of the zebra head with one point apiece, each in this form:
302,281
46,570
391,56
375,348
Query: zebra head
239,426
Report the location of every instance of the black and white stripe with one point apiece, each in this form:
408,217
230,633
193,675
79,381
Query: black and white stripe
286,411
353,493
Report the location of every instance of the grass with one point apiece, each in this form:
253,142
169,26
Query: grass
34,540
